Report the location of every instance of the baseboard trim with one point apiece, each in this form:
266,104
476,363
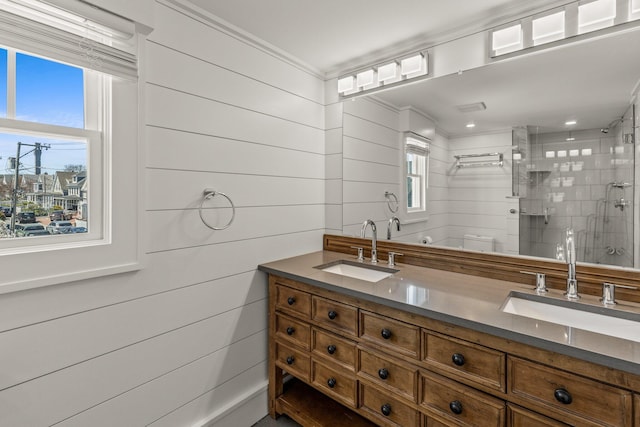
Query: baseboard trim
234,405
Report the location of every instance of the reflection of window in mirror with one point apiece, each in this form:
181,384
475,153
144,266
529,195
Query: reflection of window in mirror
416,151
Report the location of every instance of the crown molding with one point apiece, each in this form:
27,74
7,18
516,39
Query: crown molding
211,20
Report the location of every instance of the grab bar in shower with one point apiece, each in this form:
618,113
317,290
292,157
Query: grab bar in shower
485,159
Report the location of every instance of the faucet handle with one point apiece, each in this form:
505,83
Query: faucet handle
392,258
360,253
541,282
609,292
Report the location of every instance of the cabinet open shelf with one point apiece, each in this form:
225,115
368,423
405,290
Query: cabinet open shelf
308,407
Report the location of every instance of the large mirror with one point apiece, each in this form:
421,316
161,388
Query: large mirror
554,175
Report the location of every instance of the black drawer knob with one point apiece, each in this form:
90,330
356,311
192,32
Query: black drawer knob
332,314
456,407
386,333
385,409
458,359
563,396
331,382
331,349
290,330
290,360
383,373
291,300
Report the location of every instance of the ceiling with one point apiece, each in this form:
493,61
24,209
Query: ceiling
590,82
332,35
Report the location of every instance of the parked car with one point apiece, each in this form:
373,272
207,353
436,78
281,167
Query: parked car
64,215
6,211
26,218
60,227
78,230
27,230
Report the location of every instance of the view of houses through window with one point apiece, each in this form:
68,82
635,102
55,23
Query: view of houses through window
43,161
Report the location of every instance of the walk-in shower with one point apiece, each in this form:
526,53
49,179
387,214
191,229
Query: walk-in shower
582,179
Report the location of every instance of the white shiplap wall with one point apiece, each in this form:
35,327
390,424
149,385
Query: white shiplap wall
372,164
183,341
478,202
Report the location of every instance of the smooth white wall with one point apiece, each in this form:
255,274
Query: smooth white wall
183,341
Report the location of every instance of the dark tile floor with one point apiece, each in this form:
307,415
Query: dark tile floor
283,421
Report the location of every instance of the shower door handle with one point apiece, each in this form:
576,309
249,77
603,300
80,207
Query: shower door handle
513,211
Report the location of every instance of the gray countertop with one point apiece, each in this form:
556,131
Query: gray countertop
468,301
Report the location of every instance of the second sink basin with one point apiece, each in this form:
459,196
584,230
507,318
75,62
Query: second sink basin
370,273
601,320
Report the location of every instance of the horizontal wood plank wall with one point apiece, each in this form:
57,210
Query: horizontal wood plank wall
183,339
478,201
371,162
496,266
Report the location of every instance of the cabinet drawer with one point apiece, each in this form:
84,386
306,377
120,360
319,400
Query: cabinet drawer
401,378
386,410
394,335
332,347
520,417
569,393
335,315
338,384
465,360
294,361
293,331
458,403
293,301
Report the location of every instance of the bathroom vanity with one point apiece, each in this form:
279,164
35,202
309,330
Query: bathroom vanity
429,347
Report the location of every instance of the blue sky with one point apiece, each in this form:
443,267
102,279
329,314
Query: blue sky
46,92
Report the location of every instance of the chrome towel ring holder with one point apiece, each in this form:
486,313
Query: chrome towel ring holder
392,198
210,193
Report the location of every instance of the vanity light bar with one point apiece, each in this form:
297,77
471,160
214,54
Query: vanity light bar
385,75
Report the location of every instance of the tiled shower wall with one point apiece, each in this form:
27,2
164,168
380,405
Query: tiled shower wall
584,184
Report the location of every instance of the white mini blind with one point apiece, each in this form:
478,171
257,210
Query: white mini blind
41,29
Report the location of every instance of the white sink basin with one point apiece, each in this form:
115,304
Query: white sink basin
601,320
357,270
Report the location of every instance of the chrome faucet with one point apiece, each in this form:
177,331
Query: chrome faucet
374,239
572,283
391,221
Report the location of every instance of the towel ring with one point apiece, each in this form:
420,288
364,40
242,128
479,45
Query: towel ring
210,194
389,196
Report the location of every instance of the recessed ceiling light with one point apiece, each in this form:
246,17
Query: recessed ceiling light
471,125
570,122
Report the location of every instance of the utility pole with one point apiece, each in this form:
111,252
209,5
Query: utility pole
38,154
14,198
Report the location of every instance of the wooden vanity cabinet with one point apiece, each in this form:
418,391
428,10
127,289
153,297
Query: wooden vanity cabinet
388,367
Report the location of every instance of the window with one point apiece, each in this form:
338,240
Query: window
595,15
634,9
46,144
506,40
416,150
68,145
548,28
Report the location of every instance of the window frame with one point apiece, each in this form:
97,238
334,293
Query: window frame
410,215
112,125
